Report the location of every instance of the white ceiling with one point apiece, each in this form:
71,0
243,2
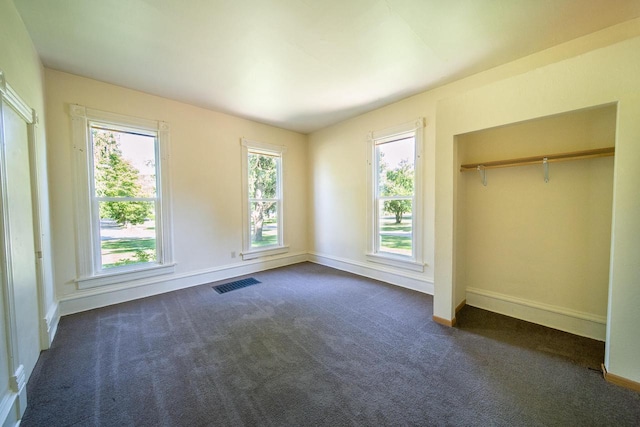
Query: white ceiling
300,64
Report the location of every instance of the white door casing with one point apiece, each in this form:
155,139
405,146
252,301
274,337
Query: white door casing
20,277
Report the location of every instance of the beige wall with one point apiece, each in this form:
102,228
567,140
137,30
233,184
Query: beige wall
205,178
23,71
543,243
593,70
568,77
18,57
338,169
576,83
338,181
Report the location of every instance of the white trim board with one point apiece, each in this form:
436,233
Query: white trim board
109,295
50,322
90,272
9,409
564,319
405,279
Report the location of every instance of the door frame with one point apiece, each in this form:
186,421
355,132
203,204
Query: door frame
17,398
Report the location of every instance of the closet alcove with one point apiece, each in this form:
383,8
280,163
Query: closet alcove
534,249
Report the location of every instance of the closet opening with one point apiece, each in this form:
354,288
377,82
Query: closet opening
533,236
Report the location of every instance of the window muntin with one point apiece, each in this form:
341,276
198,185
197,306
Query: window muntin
263,231
124,201
395,195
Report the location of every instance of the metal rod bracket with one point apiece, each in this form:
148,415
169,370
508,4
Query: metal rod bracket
483,174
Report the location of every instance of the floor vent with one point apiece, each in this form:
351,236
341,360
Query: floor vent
238,284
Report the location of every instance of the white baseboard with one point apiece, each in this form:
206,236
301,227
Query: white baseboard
9,410
14,402
572,321
109,295
405,279
114,294
51,323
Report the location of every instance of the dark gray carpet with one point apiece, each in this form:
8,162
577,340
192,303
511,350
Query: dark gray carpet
315,346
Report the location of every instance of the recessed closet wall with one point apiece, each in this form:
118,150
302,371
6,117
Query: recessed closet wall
534,250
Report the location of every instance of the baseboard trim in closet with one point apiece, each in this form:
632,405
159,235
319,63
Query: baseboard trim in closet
572,321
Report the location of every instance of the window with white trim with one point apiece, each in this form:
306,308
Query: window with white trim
262,202
395,202
122,199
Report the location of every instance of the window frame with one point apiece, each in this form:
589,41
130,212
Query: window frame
415,261
89,272
280,247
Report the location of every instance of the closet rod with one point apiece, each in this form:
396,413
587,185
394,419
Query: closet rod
551,158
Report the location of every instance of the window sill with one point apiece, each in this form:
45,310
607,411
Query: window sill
257,253
124,275
396,261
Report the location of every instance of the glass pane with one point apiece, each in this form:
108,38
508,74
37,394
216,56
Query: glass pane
127,233
395,226
263,176
124,164
396,167
264,224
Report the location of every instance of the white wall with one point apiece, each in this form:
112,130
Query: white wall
589,71
206,188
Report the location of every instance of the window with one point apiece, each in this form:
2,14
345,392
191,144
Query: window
395,196
263,201
121,198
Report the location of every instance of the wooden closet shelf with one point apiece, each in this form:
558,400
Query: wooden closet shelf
551,158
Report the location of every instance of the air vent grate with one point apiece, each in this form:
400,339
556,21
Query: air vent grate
238,284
